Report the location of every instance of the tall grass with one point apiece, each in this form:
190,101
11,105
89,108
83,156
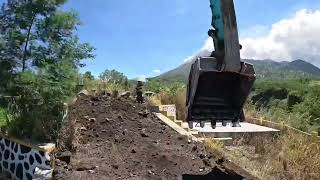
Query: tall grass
291,156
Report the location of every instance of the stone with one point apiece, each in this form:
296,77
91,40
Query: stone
91,171
124,132
106,120
64,156
83,129
150,172
83,166
194,148
115,166
92,120
143,133
125,94
201,156
144,113
83,93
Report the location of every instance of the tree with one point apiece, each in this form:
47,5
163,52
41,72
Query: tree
41,55
113,76
87,75
20,21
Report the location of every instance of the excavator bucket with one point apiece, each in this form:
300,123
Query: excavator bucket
217,96
220,84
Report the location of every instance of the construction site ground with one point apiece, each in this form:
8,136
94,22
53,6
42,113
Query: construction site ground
116,138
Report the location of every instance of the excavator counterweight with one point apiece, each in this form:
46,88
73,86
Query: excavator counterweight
219,85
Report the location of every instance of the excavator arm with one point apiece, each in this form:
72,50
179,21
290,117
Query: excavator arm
225,35
219,85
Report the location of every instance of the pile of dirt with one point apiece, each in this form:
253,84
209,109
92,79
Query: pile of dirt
116,138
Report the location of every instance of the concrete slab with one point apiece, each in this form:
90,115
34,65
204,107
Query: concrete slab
247,130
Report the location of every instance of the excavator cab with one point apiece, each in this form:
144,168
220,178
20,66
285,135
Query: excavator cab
219,85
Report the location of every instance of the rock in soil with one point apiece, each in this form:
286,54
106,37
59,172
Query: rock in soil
144,113
125,94
143,133
83,166
64,156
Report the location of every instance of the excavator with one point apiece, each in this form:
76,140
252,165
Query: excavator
219,85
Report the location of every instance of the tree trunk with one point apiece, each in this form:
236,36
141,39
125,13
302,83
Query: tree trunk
26,44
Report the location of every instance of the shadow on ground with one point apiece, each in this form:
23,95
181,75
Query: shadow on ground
214,174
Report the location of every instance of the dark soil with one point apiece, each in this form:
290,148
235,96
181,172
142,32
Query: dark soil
116,138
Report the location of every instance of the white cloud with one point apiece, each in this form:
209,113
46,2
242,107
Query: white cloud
255,31
156,71
297,37
206,50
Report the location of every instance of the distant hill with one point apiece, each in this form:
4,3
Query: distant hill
263,68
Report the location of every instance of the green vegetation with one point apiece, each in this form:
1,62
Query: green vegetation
39,61
293,101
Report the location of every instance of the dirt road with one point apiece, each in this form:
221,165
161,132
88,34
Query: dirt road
116,138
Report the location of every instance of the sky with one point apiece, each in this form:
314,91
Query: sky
149,37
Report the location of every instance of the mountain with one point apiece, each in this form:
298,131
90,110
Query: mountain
301,65
263,68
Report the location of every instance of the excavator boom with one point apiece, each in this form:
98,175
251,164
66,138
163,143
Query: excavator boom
226,40
220,84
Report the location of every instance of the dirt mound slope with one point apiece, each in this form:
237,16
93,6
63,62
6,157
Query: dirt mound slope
116,138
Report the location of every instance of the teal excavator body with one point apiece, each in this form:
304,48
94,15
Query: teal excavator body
217,21
219,84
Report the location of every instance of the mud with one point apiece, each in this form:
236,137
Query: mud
116,138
